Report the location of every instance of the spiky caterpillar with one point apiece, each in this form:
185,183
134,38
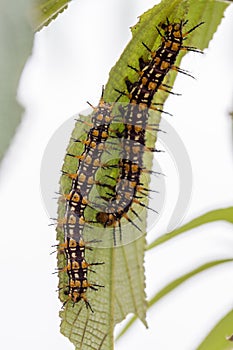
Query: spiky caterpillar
77,270
88,163
135,117
77,200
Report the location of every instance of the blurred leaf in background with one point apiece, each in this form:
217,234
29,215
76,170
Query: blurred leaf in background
18,20
43,12
16,39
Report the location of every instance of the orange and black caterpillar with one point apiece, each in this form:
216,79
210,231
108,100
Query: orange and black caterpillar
153,72
77,200
77,269
88,163
135,117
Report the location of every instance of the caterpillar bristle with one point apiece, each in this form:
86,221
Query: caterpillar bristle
192,49
133,68
148,49
144,205
192,29
165,88
183,71
136,214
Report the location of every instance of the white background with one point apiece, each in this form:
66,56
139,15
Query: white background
70,61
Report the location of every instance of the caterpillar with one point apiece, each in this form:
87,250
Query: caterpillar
88,163
76,202
135,118
77,268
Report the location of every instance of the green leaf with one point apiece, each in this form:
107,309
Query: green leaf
123,292
123,271
225,214
16,39
44,11
218,337
122,275
174,284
